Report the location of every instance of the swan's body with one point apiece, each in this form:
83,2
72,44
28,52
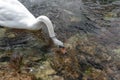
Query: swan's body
14,15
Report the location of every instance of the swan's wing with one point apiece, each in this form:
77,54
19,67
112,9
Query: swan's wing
13,14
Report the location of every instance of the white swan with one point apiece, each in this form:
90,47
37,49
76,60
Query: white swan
13,14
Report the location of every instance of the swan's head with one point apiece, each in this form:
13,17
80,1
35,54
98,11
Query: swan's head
59,44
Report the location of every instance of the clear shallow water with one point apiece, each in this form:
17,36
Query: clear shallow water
94,51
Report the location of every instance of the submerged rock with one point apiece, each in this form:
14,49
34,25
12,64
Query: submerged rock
86,59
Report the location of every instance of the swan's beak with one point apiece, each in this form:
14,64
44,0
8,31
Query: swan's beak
63,49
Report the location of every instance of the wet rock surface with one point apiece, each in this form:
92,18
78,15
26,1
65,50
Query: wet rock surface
91,36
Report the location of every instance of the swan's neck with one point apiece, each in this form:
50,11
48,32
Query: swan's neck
48,24
50,28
